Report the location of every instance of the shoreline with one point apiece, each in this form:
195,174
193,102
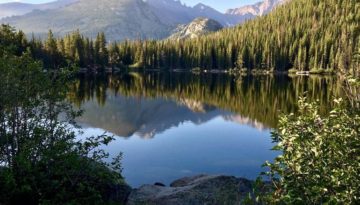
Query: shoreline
195,190
290,73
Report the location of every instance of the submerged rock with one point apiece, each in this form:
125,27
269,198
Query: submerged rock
198,190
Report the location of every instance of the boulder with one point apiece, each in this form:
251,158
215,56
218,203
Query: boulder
118,193
197,190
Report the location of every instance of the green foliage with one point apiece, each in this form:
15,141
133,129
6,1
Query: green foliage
259,194
321,155
11,41
293,70
41,162
352,90
356,60
321,71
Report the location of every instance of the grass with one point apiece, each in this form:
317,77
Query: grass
321,71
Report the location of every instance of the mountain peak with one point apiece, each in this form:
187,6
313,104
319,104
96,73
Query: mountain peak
258,9
198,27
201,6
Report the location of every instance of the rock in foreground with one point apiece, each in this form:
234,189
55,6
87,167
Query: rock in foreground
198,190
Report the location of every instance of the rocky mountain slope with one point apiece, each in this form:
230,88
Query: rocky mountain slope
202,10
18,8
196,28
119,19
257,9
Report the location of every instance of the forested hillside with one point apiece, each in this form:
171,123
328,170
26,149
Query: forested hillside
314,35
303,34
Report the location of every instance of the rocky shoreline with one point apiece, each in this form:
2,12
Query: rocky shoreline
196,190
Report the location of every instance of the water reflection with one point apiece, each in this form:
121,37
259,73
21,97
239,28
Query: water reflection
141,96
128,116
208,123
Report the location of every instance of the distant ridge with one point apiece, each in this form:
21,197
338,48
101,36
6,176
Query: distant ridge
258,9
119,19
19,9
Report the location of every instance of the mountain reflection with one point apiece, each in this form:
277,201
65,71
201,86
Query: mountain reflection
146,104
126,116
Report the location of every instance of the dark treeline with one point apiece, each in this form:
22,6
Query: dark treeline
305,35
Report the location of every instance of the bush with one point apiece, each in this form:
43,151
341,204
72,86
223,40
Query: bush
321,71
293,71
320,163
41,161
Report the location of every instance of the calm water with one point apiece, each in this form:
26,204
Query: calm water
171,125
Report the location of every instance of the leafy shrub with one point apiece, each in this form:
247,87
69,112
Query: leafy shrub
320,163
41,161
293,71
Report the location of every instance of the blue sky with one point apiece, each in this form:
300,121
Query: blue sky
220,5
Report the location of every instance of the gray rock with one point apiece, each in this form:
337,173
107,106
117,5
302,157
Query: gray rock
198,190
195,29
186,180
118,193
259,9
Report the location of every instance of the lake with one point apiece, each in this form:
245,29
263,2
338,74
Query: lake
174,124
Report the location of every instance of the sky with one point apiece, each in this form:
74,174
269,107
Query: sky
220,5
